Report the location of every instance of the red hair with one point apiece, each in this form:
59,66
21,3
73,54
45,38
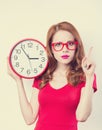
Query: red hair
76,74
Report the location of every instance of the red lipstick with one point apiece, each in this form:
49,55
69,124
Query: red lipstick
65,56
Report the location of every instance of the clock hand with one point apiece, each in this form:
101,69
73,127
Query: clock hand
25,52
30,65
33,58
27,57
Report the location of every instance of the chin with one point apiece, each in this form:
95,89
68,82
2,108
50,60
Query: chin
66,62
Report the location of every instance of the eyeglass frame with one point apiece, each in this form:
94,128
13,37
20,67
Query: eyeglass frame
66,44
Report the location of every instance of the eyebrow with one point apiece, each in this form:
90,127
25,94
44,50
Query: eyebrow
64,42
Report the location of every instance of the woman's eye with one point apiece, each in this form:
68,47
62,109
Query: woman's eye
58,44
71,43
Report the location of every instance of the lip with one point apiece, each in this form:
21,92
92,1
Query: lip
65,56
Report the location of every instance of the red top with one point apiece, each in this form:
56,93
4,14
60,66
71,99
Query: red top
57,107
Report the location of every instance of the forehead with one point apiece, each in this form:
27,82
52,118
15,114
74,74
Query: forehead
63,35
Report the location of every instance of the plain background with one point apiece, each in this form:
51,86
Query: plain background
21,19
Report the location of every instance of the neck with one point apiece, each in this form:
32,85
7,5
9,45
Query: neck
62,69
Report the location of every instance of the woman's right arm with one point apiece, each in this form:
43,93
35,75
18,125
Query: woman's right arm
30,108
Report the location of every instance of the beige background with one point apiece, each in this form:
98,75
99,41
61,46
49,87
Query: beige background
31,19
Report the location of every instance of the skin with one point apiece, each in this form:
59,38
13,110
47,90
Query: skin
62,64
63,36
85,105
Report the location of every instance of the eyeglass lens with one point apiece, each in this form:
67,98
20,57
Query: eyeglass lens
59,45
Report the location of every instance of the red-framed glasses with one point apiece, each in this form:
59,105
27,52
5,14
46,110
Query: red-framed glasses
70,45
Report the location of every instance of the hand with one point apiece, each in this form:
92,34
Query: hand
34,58
11,73
88,65
27,57
25,52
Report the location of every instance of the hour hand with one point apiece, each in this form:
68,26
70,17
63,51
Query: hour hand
34,58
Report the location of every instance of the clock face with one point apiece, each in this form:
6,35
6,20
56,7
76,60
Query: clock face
28,58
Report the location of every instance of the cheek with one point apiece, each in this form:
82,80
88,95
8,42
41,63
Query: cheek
72,54
56,55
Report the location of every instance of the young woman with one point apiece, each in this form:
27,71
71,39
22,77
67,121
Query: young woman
62,96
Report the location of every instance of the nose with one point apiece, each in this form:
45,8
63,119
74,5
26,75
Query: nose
65,49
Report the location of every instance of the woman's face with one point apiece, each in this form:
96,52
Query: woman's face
63,47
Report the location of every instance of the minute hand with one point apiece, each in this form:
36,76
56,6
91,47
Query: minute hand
25,52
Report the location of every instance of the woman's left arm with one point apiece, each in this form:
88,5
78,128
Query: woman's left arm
85,104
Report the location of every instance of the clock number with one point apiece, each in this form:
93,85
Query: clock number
35,70
41,52
30,45
18,51
40,66
23,46
15,57
17,64
42,59
37,47
28,72
22,69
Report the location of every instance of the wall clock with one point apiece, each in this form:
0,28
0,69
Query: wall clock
28,58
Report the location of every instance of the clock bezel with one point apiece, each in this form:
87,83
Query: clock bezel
10,62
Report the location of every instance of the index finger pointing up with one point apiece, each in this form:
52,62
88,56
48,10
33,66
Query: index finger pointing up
90,52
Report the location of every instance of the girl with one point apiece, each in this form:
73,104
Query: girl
62,96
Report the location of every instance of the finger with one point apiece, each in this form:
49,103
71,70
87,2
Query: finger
86,63
90,52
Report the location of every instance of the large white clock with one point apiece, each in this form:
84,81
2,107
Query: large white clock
28,58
